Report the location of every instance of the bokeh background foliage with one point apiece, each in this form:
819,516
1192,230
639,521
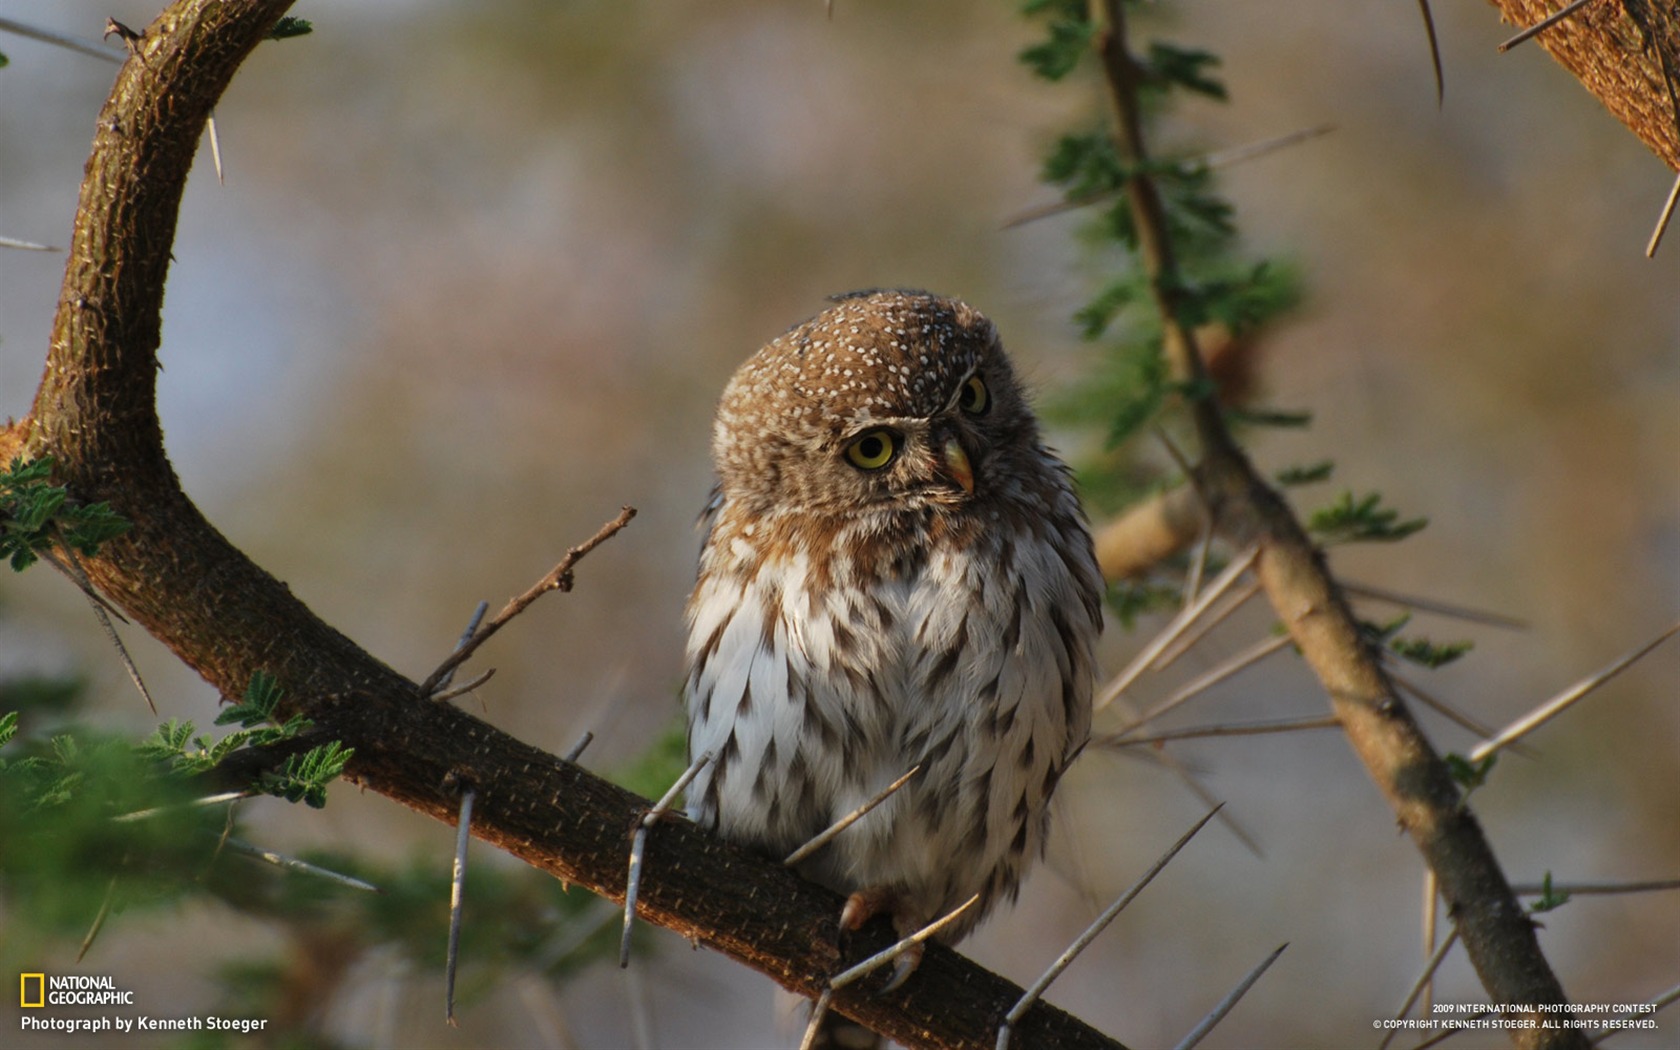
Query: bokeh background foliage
479,271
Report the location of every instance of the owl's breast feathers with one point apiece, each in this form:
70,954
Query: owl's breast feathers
823,667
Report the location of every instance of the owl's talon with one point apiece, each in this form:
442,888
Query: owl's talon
903,967
862,906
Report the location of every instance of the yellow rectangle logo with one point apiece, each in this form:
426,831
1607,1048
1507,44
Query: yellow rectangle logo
40,999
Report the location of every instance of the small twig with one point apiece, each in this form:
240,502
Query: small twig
1229,605
130,39
1176,454
1431,894
445,695
1448,711
215,148
224,838
73,569
1280,725
574,935
640,1011
819,1010
457,895
577,749
638,847
1667,998
1198,1033
1006,1031
1208,798
27,246
461,643
48,36
1457,612
208,800
1430,965
1558,704
1434,52
1200,684
828,834
542,1004
1198,562
1219,159
882,958
280,860
98,920
1544,24
1179,624
558,579
1225,158
1655,242
1588,889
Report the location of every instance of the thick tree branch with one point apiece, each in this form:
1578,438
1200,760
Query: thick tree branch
1497,934
174,574
1616,49
1150,532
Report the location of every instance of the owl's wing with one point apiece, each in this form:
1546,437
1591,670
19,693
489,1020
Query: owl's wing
708,513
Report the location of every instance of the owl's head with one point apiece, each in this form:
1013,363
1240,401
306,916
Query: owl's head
889,400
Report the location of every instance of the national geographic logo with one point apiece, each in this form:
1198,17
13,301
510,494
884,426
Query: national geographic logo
36,990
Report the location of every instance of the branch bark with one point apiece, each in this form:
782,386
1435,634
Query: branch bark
1617,49
1498,935
176,576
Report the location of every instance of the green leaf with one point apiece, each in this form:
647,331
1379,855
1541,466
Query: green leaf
168,742
1380,633
1470,775
304,778
34,512
1429,654
262,696
8,727
1549,899
1070,32
1058,56
1306,474
290,26
1364,520
1095,316
1270,417
1085,164
1170,65
85,528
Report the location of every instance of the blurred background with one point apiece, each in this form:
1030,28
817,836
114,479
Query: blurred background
479,272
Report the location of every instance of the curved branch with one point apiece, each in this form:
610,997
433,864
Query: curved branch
1150,532
1497,933
1624,52
226,618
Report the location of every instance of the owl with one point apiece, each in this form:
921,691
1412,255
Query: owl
896,572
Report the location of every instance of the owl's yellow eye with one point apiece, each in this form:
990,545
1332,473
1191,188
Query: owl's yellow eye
975,398
873,450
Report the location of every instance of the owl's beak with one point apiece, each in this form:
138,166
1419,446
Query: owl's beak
957,465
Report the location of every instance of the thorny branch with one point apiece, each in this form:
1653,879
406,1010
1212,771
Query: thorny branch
175,575
559,578
1497,934
1624,53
